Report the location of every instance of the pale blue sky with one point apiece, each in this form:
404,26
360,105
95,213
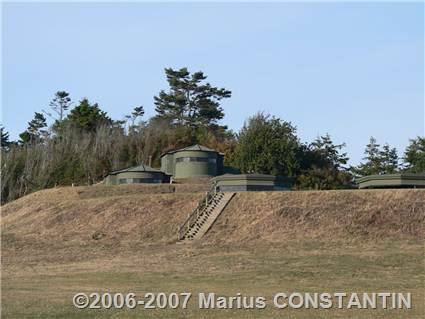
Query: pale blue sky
352,70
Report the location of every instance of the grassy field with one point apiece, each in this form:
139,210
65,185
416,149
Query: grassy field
40,283
262,244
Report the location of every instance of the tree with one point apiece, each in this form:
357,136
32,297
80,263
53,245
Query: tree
377,161
388,159
87,116
60,103
266,145
322,165
372,160
138,111
5,143
329,153
414,156
34,132
190,101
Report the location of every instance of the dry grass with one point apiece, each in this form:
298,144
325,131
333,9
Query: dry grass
144,217
39,283
322,215
263,243
101,191
151,214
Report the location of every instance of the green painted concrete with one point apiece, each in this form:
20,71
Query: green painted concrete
250,182
135,175
195,161
192,169
392,181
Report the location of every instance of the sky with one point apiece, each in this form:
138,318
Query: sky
352,70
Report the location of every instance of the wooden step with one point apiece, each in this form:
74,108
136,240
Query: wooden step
207,216
215,212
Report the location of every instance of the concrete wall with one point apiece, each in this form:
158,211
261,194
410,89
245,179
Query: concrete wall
393,183
167,164
195,169
111,180
136,178
220,164
245,188
247,182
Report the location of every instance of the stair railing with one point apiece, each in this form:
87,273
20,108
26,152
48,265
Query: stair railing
193,217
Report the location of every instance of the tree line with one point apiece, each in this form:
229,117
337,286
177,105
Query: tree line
78,143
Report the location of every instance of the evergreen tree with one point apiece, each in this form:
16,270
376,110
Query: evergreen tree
329,153
414,156
34,132
322,165
266,145
372,160
377,161
190,101
87,116
138,111
60,104
388,159
5,143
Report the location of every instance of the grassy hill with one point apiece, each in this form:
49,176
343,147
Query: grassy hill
61,241
146,214
151,214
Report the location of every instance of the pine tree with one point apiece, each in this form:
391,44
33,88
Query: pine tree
329,152
190,101
388,160
60,103
322,165
378,161
87,116
414,156
138,111
34,132
372,160
5,143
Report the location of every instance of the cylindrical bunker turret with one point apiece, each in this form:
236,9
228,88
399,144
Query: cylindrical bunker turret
135,175
193,162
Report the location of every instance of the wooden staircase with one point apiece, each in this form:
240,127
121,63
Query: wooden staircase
203,217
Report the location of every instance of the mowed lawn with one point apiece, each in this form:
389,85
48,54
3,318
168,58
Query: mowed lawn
39,280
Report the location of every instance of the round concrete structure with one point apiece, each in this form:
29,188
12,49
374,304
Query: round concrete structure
192,162
135,175
195,164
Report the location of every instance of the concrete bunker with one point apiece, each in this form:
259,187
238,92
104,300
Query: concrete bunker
250,182
136,175
194,161
404,180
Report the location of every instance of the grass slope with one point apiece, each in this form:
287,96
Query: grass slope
322,215
263,243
